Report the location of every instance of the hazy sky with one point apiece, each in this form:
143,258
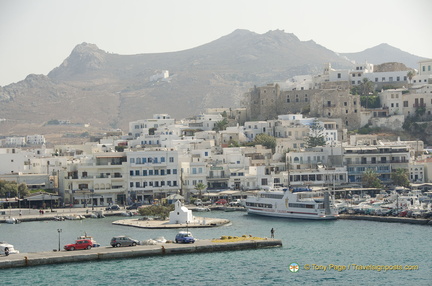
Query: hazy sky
37,35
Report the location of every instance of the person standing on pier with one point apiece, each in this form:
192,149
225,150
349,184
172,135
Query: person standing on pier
272,232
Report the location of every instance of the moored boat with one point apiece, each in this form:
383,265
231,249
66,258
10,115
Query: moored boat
294,203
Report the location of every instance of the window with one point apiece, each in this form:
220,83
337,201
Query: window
144,172
339,75
171,159
376,79
162,159
150,172
137,172
174,183
132,160
137,184
156,172
131,173
162,172
174,171
168,171
405,103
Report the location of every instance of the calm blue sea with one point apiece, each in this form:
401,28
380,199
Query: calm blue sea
310,244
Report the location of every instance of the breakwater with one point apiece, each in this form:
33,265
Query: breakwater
106,253
387,219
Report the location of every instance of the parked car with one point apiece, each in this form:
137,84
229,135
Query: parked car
113,208
221,202
118,241
134,206
79,244
6,248
236,203
199,202
184,237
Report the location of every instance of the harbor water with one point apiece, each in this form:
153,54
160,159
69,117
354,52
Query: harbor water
340,252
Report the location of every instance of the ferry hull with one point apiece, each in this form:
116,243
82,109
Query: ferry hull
292,214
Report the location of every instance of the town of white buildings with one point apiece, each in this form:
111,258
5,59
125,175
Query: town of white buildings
160,156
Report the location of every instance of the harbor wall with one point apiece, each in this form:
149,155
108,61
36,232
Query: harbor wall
387,219
107,253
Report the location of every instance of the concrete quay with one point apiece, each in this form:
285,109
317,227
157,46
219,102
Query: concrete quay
34,215
420,221
199,222
107,253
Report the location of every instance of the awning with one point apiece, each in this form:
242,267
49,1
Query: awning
42,197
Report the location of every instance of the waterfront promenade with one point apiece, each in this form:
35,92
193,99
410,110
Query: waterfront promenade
34,214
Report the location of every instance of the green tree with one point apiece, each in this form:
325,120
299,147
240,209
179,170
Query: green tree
8,189
370,179
400,177
265,140
221,125
200,187
370,101
23,190
411,74
365,89
156,211
316,135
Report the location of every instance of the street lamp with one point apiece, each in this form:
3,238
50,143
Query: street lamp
59,230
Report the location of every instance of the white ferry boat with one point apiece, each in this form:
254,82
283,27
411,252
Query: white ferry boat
302,203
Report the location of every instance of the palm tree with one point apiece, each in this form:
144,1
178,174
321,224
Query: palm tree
200,187
365,88
370,179
411,74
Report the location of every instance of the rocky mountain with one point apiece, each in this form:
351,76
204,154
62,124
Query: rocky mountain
384,53
108,90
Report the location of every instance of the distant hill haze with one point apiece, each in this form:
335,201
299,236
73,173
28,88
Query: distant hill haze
109,90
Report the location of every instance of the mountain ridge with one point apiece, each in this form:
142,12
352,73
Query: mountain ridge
109,90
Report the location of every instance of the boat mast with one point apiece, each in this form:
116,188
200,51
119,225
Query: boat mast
287,168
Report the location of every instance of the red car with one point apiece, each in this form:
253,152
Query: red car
221,202
79,244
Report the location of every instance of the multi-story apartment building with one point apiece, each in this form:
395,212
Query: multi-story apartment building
35,139
381,159
153,174
144,126
15,141
96,180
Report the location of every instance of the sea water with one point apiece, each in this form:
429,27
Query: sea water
340,252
